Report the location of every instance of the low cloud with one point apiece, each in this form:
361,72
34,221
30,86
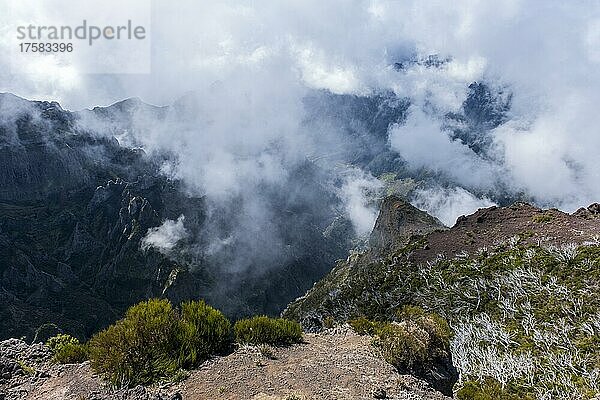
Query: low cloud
252,64
447,204
358,192
163,238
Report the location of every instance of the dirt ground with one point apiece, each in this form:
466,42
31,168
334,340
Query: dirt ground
332,365
489,226
336,364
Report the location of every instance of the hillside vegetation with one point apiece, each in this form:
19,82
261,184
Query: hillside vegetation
525,314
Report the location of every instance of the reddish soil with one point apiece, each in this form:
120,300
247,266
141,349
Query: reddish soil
489,226
331,365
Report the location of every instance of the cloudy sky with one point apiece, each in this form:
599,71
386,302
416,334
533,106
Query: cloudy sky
265,55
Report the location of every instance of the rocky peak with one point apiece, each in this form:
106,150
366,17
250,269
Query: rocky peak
591,212
398,221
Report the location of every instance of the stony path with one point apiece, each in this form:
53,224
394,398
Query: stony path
336,364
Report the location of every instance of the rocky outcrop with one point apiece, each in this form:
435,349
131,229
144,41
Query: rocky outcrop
398,222
591,212
484,229
489,226
483,275
21,365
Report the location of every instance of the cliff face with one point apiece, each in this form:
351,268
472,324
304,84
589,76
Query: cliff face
398,222
78,263
66,242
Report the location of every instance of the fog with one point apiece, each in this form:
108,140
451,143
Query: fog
243,70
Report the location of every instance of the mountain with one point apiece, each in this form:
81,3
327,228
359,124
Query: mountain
76,204
519,286
398,222
79,192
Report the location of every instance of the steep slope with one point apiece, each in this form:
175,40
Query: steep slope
519,286
398,222
62,236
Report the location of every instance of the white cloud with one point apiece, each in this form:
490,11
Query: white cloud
358,192
165,237
423,145
448,204
265,55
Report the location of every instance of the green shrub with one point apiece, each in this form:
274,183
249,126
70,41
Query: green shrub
203,331
55,343
265,330
329,322
140,348
67,350
543,217
400,347
154,342
25,368
419,338
72,354
364,326
436,327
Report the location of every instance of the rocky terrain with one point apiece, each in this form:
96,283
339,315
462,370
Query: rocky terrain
519,286
413,238
336,364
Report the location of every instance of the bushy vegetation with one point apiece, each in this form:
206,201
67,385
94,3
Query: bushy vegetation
264,330
66,349
543,217
203,331
154,341
524,316
414,340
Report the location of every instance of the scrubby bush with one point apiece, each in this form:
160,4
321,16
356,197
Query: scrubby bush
436,327
364,326
57,342
264,330
67,350
417,338
203,331
140,348
329,322
543,217
154,342
401,347
72,354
